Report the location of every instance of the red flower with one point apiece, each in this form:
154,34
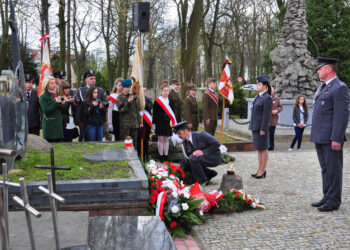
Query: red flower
237,196
173,167
155,192
173,224
159,182
161,189
153,199
151,178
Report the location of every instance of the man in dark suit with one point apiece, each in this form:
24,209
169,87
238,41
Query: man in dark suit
201,150
329,121
90,80
33,107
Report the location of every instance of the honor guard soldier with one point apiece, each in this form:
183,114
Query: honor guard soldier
129,117
174,95
329,121
190,113
210,104
33,107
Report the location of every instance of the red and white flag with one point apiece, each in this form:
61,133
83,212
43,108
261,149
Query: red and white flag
225,85
46,69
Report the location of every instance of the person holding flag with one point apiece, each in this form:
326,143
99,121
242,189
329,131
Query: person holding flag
226,90
163,119
46,69
210,107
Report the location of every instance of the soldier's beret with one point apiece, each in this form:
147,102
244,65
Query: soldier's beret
59,74
263,79
180,126
126,83
175,81
88,74
325,61
28,77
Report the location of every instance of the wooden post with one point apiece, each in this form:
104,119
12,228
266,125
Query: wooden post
222,122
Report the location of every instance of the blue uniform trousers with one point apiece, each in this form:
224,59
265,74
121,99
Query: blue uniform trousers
331,163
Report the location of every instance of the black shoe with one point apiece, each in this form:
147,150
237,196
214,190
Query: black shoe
318,204
166,158
261,176
211,175
326,208
253,175
161,158
270,149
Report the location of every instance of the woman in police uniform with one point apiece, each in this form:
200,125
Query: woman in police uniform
259,123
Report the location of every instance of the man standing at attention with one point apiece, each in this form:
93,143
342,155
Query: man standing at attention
174,95
33,107
210,107
329,121
190,113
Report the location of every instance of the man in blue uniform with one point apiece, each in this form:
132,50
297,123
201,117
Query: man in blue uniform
201,150
329,121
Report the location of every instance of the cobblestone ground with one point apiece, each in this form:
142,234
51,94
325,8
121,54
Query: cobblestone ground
293,181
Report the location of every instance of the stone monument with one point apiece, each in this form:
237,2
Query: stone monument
293,66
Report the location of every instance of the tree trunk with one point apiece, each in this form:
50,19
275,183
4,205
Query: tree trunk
45,16
68,59
5,30
62,30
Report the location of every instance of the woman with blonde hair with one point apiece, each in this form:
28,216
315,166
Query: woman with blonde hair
300,117
51,105
113,112
163,116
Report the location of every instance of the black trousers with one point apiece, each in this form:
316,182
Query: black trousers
82,135
272,137
199,166
35,131
331,163
115,123
145,141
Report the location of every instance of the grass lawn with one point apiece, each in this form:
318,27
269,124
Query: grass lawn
71,155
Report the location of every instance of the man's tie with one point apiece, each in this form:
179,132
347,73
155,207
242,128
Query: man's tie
28,95
190,148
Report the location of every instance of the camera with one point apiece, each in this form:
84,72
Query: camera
77,99
62,98
104,103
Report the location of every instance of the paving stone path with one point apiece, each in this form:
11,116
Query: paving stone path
293,182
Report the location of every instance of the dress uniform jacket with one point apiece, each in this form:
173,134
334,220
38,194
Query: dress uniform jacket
175,97
210,111
33,111
190,113
51,116
261,113
329,121
211,155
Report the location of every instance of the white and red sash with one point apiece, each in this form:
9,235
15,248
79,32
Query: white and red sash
167,109
113,98
212,96
147,117
110,98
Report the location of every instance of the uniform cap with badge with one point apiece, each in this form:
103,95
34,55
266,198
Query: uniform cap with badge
88,74
60,74
180,126
28,77
326,61
263,79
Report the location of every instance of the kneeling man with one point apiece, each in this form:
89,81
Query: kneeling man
201,150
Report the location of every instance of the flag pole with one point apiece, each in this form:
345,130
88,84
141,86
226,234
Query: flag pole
141,49
222,122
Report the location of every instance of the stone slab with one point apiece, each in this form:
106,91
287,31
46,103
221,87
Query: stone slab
128,232
111,155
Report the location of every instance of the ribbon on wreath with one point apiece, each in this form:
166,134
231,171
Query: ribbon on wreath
162,199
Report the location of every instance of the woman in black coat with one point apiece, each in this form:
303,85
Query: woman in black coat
162,120
300,117
259,123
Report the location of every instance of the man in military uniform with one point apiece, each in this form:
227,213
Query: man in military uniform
129,117
190,113
90,80
200,151
329,121
59,75
210,104
33,107
174,95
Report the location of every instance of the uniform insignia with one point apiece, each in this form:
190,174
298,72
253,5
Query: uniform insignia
322,103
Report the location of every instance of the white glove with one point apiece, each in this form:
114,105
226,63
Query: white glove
110,126
154,128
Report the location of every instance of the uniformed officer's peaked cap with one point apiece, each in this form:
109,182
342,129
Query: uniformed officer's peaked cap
180,126
325,61
59,74
263,79
89,73
126,83
28,77
191,87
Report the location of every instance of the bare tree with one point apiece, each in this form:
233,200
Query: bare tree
5,29
62,31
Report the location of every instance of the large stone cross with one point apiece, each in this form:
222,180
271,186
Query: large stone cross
53,168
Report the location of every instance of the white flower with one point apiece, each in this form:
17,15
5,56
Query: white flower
165,174
187,195
184,206
159,176
200,212
152,162
174,194
254,205
172,177
175,209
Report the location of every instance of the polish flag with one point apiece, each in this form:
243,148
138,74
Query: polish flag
46,69
225,85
